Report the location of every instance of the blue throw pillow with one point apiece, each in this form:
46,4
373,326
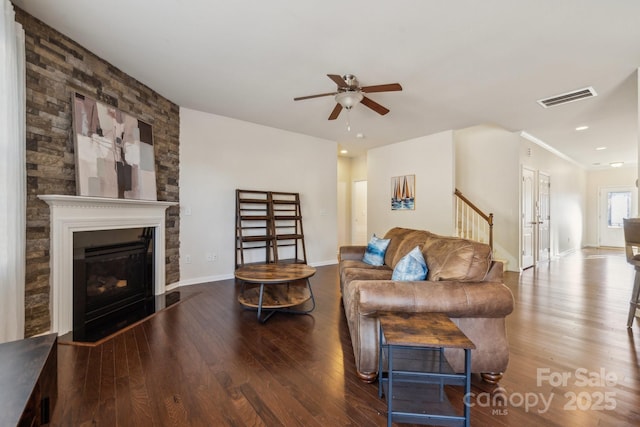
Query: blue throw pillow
376,249
412,266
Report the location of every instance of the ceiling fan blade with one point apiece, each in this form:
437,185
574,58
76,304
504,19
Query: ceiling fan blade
374,106
335,112
300,98
391,87
338,80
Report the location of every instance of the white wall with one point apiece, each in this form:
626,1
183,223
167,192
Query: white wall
359,168
430,158
568,204
487,173
219,155
597,179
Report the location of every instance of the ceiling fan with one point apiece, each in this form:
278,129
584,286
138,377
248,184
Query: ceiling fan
349,93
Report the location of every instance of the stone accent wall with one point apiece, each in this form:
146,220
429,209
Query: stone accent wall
57,67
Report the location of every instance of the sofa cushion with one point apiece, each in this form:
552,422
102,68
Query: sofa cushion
409,241
359,266
352,263
453,258
376,249
412,266
349,274
351,252
397,236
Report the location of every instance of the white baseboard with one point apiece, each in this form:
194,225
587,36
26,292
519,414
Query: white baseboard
323,263
227,276
567,252
199,280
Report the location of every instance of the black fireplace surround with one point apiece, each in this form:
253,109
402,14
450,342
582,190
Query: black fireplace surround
112,281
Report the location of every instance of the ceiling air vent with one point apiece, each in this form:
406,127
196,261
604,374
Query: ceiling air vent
564,98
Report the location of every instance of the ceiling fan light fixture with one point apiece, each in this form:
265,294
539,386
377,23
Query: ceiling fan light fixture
349,98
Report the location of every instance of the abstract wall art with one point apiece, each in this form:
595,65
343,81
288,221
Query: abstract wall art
403,192
114,152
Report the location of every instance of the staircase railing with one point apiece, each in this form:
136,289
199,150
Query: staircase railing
471,222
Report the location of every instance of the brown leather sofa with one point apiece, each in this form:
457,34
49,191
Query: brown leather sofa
463,282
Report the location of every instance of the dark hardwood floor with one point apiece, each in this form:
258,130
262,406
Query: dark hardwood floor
207,362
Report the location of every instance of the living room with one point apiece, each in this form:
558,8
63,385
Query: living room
202,157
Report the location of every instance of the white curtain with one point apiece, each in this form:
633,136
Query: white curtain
12,175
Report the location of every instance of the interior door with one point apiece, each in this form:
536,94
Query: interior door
615,203
528,218
544,217
359,213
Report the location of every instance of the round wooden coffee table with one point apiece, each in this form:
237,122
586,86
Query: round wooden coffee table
280,288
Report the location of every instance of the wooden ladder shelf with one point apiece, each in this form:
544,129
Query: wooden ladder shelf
269,221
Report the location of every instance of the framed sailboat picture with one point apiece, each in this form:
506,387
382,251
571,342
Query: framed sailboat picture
403,192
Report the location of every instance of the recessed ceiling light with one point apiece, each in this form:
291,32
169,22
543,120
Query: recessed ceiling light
616,164
360,135
343,151
582,128
600,148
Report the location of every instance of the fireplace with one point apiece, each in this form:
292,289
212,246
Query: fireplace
76,214
112,280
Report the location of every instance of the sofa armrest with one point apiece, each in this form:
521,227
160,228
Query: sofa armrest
351,252
495,273
455,299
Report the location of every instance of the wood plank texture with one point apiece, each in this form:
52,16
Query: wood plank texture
277,295
206,361
274,273
433,330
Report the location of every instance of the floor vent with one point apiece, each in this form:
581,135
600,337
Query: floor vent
564,98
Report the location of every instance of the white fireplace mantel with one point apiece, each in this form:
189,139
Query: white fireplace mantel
70,214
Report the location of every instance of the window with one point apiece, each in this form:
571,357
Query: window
619,203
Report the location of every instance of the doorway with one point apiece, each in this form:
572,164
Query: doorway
528,222
544,216
359,213
536,218
614,204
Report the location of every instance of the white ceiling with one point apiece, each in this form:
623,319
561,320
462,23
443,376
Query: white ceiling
461,63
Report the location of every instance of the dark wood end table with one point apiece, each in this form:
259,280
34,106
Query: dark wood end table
278,290
412,351
29,380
